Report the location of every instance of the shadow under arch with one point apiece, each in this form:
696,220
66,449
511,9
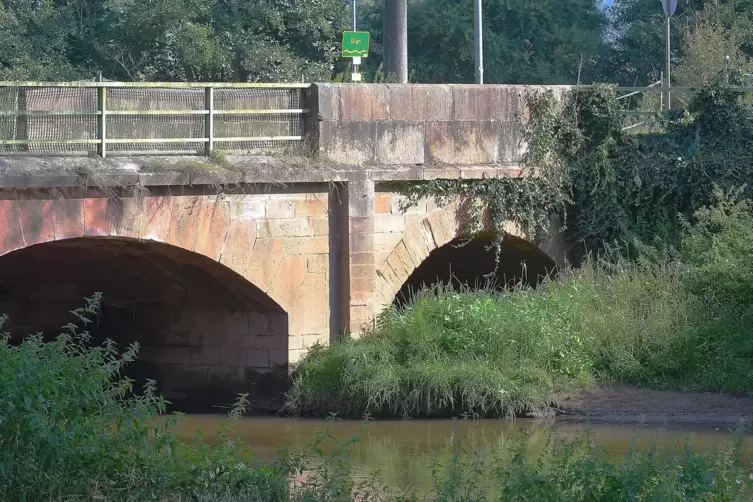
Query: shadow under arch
470,264
206,333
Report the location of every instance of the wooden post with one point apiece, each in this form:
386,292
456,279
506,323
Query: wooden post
102,121
209,120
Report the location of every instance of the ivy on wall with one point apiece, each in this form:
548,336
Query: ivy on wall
611,186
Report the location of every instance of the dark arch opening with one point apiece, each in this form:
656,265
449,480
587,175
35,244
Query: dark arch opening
206,333
463,264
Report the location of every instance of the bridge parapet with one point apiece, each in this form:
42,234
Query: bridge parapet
431,125
450,129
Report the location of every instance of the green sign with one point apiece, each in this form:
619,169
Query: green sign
355,44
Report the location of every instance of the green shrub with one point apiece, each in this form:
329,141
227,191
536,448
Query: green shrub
665,320
71,429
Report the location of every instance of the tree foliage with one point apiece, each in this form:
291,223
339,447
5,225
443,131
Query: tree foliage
637,45
169,40
524,42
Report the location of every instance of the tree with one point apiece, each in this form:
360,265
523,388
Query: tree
242,40
709,36
638,46
524,42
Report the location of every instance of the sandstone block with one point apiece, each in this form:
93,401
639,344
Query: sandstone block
214,220
306,245
68,217
389,223
240,240
208,356
326,101
420,102
287,281
96,222
311,207
248,208
278,358
386,242
360,102
362,284
165,354
36,220
348,144
310,309
318,264
126,216
265,342
263,262
156,225
293,227
183,227
280,208
11,235
492,102
463,143
400,143
382,204
319,226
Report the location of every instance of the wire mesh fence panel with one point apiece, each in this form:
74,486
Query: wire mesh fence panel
59,99
269,118
144,99
246,126
155,133
48,120
258,99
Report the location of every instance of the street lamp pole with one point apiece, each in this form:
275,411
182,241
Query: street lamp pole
667,64
354,15
478,42
669,7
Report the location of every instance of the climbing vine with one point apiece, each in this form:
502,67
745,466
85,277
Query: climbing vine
528,201
607,184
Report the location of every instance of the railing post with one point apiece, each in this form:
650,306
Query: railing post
209,120
102,121
661,94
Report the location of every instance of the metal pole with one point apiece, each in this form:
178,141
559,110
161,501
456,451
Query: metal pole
354,15
661,94
396,39
478,42
667,70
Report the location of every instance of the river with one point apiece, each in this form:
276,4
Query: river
402,452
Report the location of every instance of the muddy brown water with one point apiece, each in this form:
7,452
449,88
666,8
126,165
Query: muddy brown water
402,452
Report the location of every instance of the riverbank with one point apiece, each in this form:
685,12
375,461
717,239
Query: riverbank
622,404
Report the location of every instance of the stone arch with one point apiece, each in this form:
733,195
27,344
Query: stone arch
224,228
206,333
255,237
435,230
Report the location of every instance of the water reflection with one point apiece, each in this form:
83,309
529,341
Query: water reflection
403,452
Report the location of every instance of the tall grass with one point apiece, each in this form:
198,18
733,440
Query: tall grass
681,320
71,429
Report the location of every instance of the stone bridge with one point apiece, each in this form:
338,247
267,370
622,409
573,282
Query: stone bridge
226,270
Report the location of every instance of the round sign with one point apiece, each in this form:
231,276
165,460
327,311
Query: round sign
669,6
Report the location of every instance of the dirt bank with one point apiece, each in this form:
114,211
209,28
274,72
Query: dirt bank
623,404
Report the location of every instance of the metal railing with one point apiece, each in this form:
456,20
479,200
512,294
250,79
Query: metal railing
148,118
680,95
